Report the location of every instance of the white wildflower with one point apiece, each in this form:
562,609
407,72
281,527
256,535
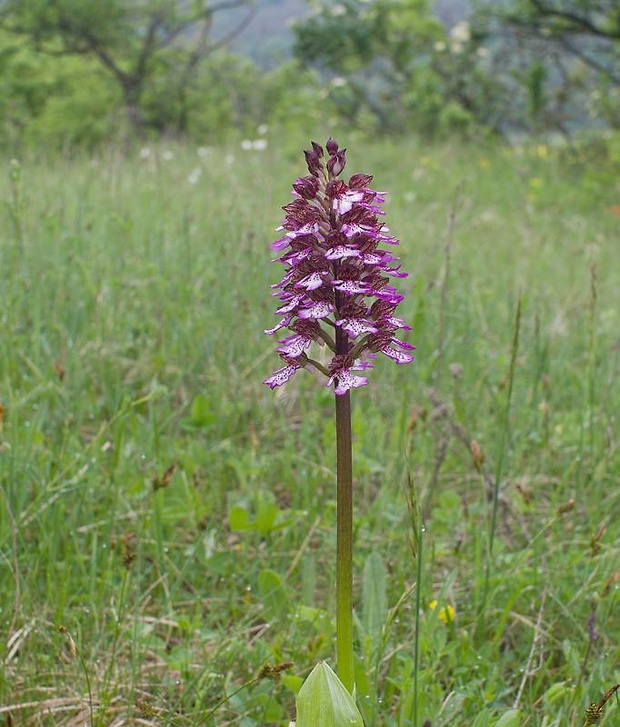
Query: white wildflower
460,32
194,176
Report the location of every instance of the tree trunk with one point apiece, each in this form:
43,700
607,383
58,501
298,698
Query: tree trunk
132,95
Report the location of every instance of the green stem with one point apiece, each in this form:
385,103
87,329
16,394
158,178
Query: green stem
16,213
505,425
503,439
419,535
344,545
227,698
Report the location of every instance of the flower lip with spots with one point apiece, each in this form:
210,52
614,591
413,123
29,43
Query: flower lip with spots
336,289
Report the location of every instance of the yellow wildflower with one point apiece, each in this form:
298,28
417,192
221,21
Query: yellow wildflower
447,614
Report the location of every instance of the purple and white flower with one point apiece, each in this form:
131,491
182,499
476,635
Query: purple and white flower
336,287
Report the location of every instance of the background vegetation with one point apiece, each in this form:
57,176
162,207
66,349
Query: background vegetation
86,73
167,523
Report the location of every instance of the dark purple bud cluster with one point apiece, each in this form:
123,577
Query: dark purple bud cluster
336,288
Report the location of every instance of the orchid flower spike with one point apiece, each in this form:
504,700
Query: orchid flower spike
337,286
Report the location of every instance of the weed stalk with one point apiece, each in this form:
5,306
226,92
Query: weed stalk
16,210
418,524
76,653
500,455
445,281
590,392
117,629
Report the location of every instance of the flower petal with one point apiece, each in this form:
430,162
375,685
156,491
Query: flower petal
399,357
311,282
282,324
281,376
351,287
294,345
342,251
345,381
320,309
356,326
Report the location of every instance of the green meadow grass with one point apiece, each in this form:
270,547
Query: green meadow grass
167,523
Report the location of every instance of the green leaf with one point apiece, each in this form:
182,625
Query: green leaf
220,564
374,596
266,517
201,414
273,592
318,618
184,624
365,689
482,720
323,700
511,718
292,682
556,692
238,518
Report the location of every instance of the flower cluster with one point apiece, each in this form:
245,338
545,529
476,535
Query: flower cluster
336,289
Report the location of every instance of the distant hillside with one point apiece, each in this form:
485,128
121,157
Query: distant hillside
268,39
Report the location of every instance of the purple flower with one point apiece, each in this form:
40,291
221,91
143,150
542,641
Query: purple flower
592,628
336,289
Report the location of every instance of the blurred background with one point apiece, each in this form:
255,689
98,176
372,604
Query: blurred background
80,73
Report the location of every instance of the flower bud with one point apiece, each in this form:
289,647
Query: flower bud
331,146
313,161
337,163
360,181
306,187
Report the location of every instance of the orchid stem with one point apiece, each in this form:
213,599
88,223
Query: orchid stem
344,545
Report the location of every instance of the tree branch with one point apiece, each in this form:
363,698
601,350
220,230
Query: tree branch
577,25
239,28
588,60
202,47
226,5
581,24
93,45
126,44
206,15
149,45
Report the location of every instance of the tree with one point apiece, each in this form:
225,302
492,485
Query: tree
133,40
370,51
394,62
70,101
569,52
586,29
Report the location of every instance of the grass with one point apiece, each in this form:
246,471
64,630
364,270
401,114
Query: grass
167,523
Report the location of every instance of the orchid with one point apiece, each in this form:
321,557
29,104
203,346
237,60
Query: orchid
336,290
